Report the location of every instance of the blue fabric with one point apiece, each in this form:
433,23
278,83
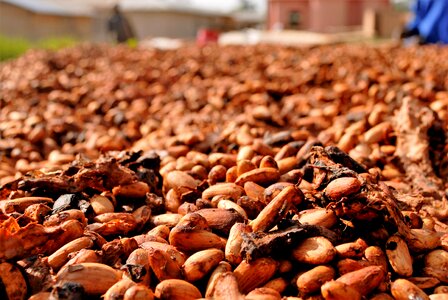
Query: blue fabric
431,20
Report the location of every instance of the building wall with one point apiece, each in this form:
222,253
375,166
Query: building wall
17,22
323,15
172,24
327,15
14,21
59,26
279,13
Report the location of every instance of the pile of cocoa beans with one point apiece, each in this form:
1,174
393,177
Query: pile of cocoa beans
236,172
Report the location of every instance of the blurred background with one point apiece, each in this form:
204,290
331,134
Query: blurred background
166,23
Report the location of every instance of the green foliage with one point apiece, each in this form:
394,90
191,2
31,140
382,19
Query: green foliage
11,47
57,43
132,43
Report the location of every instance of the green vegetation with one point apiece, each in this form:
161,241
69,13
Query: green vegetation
13,47
132,43
57,43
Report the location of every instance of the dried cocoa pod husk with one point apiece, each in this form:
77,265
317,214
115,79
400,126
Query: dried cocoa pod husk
176,289
61,217
276,209
95,278
37,212
375,256
263,293
71,230
311,281
402,289
36,273
399,257
201,263
101,204
191,234
60,257
20,204
254,274
279,284
342,187
352,249
137,189
260,176
335,290
222,267
220,220
314,251
413,219
228,190
436,265
234,242
364,280
226,287
118,290
318,216
138,292
12,281
227,204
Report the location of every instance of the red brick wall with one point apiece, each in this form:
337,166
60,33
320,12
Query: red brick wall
321,15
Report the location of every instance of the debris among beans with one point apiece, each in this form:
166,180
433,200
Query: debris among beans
256,172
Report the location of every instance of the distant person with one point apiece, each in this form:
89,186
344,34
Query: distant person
430,23
120,26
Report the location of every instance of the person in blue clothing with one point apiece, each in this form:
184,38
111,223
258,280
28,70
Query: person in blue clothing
430,22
